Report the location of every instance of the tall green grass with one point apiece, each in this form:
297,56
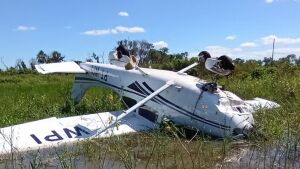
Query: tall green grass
29,97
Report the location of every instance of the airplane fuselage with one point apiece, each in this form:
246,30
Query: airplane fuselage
188,103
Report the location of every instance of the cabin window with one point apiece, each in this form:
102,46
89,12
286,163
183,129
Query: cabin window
129,101
151,116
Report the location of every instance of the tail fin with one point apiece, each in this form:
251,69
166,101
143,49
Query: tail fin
63,67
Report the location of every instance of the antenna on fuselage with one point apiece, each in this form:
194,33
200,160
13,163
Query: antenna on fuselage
273,51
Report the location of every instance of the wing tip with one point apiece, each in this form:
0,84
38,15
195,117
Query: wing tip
62,67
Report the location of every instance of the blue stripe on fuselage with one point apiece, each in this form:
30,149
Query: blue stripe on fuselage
184,112
182,109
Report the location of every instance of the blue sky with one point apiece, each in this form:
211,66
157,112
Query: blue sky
239,28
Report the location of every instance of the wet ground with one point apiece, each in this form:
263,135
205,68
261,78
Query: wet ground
241,154
244,155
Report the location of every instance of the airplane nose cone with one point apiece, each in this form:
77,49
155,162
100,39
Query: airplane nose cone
244,131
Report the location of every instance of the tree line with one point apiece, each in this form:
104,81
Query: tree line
161,59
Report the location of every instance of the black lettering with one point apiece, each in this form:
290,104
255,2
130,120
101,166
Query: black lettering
37,140
54,137
77,131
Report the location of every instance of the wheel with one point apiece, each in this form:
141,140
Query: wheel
203,56
226,63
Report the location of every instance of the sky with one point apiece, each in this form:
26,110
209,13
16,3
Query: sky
76,28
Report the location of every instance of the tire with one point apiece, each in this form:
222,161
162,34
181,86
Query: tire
226,63
205,55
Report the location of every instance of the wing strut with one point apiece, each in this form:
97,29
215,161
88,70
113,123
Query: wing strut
137,105
188,68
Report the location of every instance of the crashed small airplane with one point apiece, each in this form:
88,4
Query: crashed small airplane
151,96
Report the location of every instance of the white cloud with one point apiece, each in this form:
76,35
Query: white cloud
217,51
26,28
256,50
160,44
116,30
98,32
231,37
272,1
123,13
269,1
123,29
248,45
285,41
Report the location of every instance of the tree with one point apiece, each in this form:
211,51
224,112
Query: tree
297,61
164,50
20,65
6,67
267,61
154,56
184,54
292,58
55,57
41,57
32,63
95,58
238,61
89,60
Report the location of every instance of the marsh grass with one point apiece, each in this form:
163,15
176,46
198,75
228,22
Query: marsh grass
29,97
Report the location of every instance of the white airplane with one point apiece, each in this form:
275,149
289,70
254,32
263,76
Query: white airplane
151,96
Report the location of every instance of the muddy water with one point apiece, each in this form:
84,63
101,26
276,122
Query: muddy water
240,155
66,156
278,155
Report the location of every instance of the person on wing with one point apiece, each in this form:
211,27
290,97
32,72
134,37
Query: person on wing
121,57
222,65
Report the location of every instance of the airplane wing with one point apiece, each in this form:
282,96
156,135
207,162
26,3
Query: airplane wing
62,67
52,132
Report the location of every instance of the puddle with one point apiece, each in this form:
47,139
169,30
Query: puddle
240,155
266,156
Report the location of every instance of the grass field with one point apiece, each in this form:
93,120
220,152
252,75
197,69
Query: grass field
28,97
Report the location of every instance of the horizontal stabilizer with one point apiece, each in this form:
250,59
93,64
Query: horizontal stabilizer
53,132
62,67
